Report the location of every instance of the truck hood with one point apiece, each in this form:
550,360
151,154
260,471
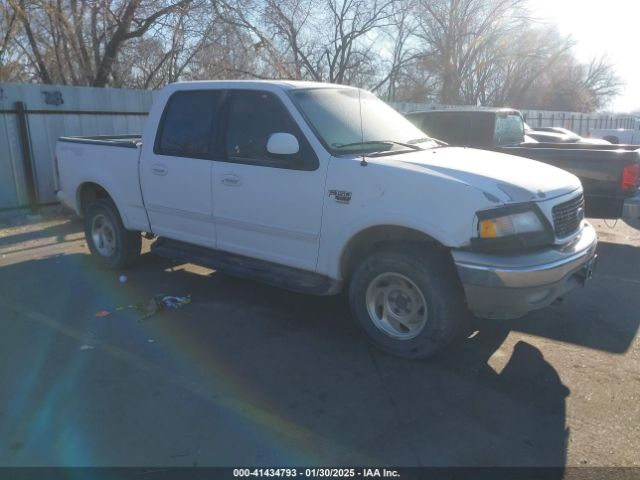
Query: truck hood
502,178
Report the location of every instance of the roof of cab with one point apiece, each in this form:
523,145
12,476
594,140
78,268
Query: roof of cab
283,84
468,110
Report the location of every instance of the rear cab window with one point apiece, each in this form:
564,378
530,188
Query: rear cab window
189,124
508,130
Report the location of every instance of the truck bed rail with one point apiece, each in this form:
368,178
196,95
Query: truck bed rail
127,141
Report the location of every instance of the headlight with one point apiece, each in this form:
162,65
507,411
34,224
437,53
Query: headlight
506,225
512,227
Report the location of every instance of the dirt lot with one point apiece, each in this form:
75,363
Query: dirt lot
251,375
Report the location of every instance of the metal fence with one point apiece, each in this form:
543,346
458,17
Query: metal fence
577,122
32,117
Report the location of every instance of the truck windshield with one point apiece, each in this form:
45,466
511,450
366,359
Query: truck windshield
509,129
350,123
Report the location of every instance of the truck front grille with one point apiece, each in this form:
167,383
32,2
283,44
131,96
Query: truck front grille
567,216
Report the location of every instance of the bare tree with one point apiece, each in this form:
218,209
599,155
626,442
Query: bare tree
8,25
78,42
448,51
601,81
460,33
330,41
403,50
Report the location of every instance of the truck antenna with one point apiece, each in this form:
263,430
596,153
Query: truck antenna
364,160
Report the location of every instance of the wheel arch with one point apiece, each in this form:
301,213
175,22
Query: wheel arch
371,239
91,190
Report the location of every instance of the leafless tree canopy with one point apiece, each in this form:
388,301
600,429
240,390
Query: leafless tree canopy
489,52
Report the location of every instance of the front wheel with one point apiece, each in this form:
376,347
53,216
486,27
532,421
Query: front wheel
111,244
409,302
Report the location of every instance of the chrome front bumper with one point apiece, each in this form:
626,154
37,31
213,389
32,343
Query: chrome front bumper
510,286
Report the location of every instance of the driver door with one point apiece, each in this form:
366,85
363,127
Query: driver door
265,206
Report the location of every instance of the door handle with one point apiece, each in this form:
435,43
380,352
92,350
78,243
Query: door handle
158,169
231,180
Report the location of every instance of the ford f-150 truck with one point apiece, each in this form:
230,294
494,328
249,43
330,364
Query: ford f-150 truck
609,173
321,188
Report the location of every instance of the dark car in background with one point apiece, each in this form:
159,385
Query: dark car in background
610,174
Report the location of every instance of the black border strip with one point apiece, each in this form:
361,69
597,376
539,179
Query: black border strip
321,473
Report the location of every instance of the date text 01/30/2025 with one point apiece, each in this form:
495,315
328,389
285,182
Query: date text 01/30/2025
316,472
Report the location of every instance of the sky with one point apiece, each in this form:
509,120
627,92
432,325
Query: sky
598,27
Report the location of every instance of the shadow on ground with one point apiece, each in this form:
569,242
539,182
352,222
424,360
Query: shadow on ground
14,234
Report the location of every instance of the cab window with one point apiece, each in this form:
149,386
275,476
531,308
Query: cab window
452,128
253,117
189,124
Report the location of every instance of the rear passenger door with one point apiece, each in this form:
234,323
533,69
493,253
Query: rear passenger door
175,172
267,207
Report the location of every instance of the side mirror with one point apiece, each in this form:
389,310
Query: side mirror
283,144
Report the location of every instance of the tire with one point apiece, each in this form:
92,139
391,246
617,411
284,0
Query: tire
112,245
401,280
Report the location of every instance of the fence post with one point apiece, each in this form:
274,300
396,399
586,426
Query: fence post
573,118
553,119
27,157
564,125
539,119
580,125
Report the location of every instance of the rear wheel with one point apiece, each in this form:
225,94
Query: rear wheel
110,243
409,302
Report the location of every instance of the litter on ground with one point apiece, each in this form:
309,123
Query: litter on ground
156,304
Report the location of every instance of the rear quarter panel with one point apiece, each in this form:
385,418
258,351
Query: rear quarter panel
113,168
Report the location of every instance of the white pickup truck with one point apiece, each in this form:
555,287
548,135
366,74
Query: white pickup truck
622,136
321,188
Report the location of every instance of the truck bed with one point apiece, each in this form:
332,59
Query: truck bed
109,161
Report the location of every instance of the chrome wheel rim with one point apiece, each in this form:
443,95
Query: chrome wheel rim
396,306
103,236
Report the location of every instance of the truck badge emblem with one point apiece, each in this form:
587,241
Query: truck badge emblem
341,196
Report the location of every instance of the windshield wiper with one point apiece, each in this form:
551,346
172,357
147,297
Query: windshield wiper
428,139
377,142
